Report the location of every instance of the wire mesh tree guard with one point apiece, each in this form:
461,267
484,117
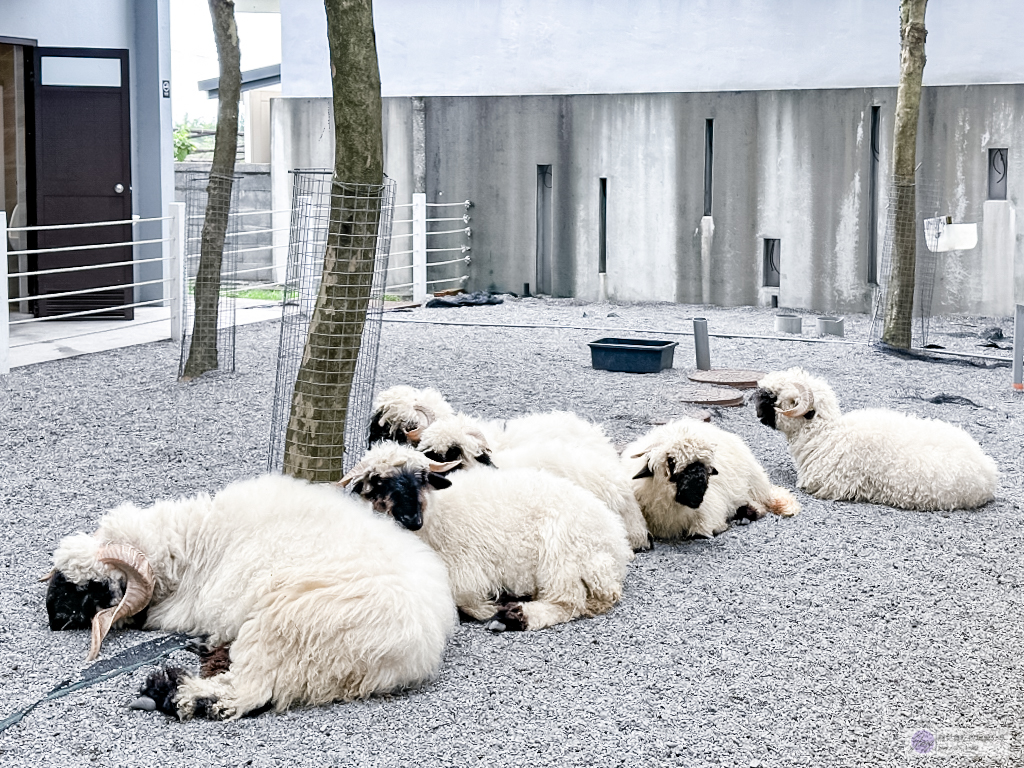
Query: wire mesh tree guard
369,208
196,193
928,200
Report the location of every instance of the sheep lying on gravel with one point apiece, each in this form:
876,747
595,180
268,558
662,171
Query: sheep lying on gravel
399,413
558,442
320,598
503,532
691,478
874,454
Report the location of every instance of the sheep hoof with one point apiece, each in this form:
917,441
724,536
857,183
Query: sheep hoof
161,687
199,646
512,617
650,545
145,703
493,625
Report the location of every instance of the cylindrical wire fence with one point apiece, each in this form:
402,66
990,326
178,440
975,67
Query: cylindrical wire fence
901,233
367,211
196,195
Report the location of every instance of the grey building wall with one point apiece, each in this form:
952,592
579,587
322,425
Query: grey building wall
254,194
789,165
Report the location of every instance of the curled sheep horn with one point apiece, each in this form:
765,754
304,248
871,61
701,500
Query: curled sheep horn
804,401
442,467
349,477
137,593
48,576
413,435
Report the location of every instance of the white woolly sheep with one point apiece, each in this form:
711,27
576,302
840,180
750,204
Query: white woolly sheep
399,413
558,442
874,454
521,532
691,478
319,598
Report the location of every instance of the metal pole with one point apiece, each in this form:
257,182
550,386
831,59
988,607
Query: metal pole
419,246
175,271
700,343
1018,349
5,328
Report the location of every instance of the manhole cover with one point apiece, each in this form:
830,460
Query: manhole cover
709,396
729,377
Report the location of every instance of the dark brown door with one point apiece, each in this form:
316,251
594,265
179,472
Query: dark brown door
82,161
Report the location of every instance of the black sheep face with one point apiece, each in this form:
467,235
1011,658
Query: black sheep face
72,606
691,482
380,432
402,496
457,453
764,404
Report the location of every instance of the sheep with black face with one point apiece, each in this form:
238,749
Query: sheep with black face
558,442
306,595
401,412
503,532
873,454
692,478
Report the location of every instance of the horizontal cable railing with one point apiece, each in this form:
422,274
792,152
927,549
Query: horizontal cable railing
252,276
417,257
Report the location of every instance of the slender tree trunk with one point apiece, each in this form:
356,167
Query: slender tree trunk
899,308
314,441
202,353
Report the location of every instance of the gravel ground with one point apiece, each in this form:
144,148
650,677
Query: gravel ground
822,640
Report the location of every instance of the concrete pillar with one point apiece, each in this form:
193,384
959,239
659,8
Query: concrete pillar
153,172
998,244
707,236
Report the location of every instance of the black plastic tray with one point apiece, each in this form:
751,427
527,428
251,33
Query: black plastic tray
632,355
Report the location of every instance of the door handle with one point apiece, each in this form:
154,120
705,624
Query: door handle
119,188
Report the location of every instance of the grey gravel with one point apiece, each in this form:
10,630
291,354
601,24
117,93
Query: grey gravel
820,640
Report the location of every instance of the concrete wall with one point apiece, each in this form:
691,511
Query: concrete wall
523,47
790,165
254,194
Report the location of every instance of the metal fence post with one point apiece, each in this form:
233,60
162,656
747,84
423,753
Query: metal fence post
419,246
1018,349
174,267
700,343
5,328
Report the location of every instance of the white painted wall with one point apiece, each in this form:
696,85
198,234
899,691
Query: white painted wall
58,23
501,47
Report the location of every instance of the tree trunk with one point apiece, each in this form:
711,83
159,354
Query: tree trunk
899,306
202,353
314,441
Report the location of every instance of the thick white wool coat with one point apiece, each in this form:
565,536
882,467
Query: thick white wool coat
741,481
527,532
558,442
520,532
321,598
878,455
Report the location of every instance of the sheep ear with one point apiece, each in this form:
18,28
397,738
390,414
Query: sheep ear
645,472
712,471
438,482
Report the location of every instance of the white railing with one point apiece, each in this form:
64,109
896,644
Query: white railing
419,266
172,238
174,246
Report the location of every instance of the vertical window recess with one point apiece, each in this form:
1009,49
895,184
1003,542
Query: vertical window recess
772,252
